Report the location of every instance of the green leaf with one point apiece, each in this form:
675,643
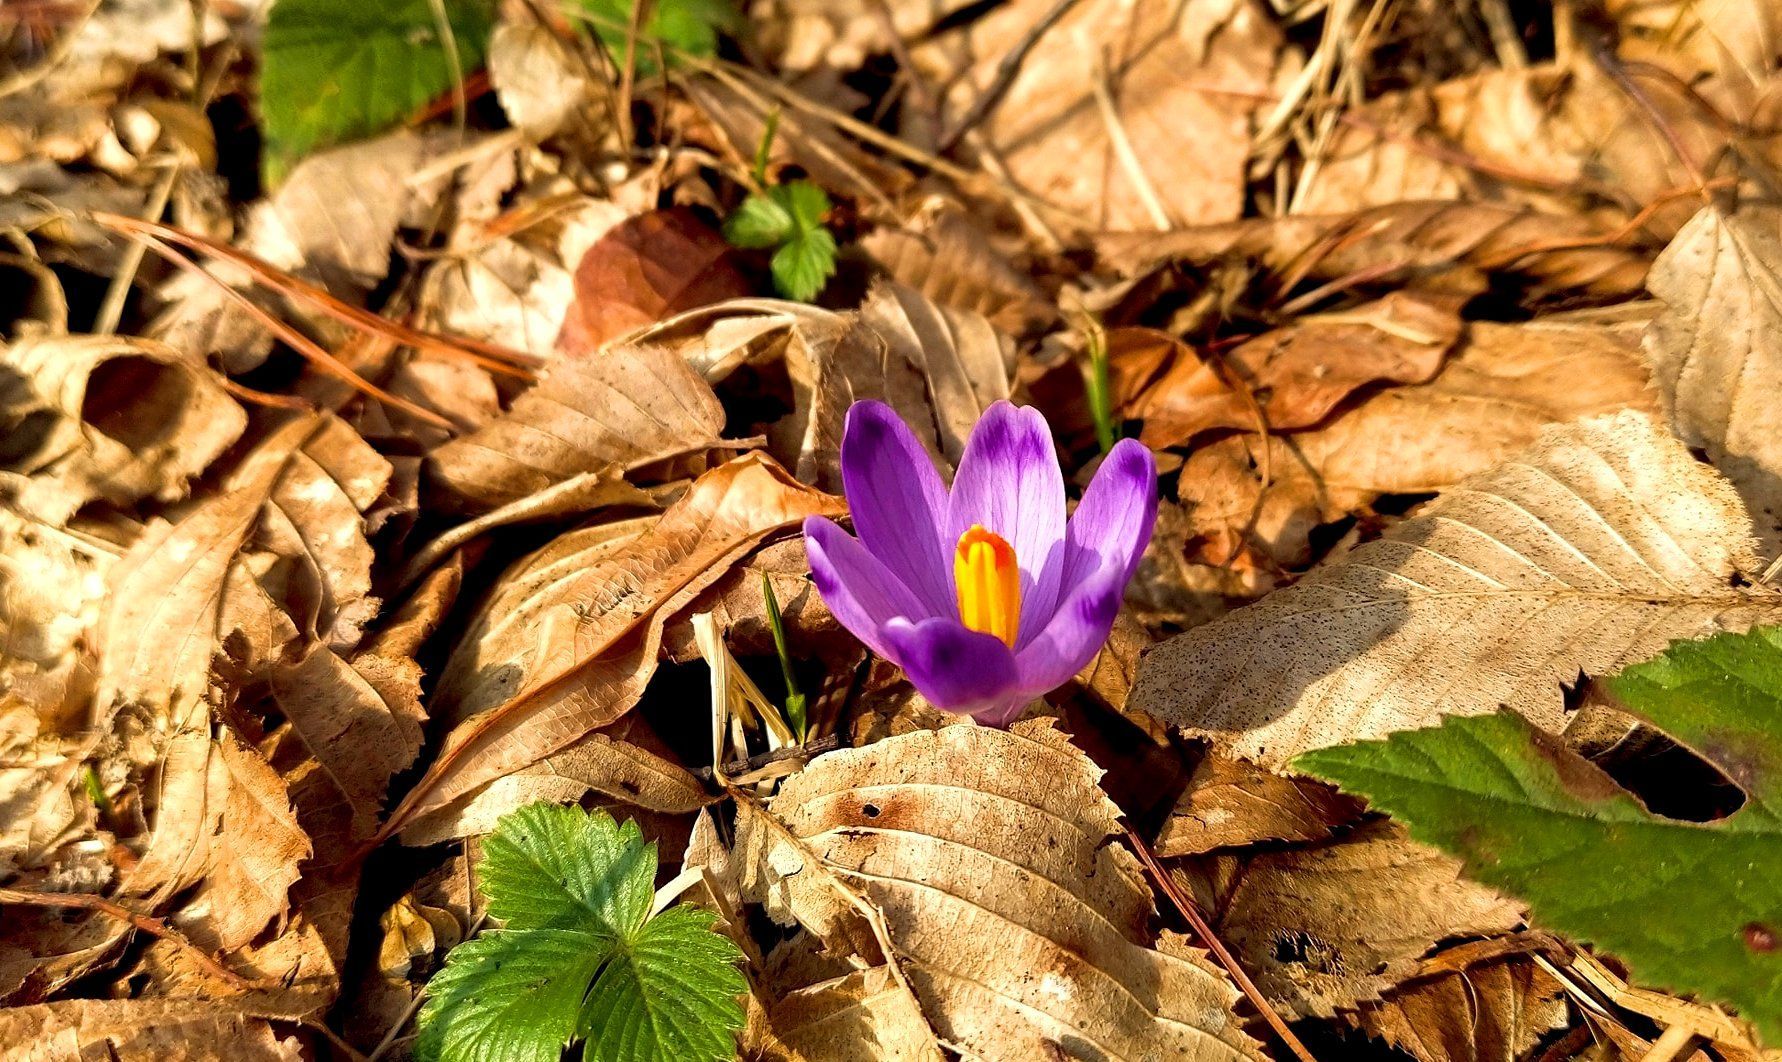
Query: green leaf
548,866
788,217
689,26
1692,907
574,890
761,221
337,70
670,992
509,996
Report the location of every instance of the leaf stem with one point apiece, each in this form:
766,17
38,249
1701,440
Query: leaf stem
795,703
1101,405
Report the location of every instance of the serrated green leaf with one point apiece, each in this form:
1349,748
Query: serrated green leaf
574,890
338,70
1692,907
761,221
804,264
509,996
670,992
689,26
547,866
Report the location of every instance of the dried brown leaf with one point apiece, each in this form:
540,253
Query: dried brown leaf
1596,547
109,418
1716,350
861,1016
1496,1012
627,406
946,256
1296,375
1020,928
146,1030
583,659
1333,925
1233,804
647,268
1166,153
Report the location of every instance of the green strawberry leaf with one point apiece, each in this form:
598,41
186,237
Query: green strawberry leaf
1692,907
669,992
338,70
509,996
574,890
761,221
548,866
788,217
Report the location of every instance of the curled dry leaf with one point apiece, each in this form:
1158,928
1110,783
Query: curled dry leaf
193,1030
1232,804
589,645
1293,376
1021,929
1442,246
111,418
1503,384
1330,926
1716,350
1105,120
626,406
1494,1012
939,368
645,269
949,258
1594,548
537,77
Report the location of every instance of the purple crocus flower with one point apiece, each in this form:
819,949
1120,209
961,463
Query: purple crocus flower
984,595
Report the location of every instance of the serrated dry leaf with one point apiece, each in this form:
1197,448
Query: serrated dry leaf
1495,1012
1716,350
1450,247
1594,548
111,418
147,1030
1326,927
1020,928
647,268
1163,153
583,658
624,406
1231,804
1292,377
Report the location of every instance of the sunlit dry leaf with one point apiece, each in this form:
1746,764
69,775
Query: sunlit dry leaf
583,658
52,594
1716,350
1333,925
1737,42
947,257
982,876
537,77
644,269
1233,804
863,1016
110,418
614,764
510,279
628,406
1057,144
1451,247
193,1030
1595,547
1502,385
1495,1012
1294,376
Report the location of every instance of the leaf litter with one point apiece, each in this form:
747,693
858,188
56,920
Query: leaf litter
406,405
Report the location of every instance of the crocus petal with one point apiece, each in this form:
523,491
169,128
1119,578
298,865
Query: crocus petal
898,503
1106,538
1009,482
861,592
956,668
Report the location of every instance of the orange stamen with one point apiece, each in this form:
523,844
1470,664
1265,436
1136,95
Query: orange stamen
989,584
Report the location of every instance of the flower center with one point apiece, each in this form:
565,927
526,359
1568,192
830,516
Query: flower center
989,584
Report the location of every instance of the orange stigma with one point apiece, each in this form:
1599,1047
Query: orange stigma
989,584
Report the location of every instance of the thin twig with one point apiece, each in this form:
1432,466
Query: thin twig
111,309
1123,149
1004,79
147,923
1186,906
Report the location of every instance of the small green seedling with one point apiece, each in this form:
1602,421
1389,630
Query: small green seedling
579,955
787,218
795,703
